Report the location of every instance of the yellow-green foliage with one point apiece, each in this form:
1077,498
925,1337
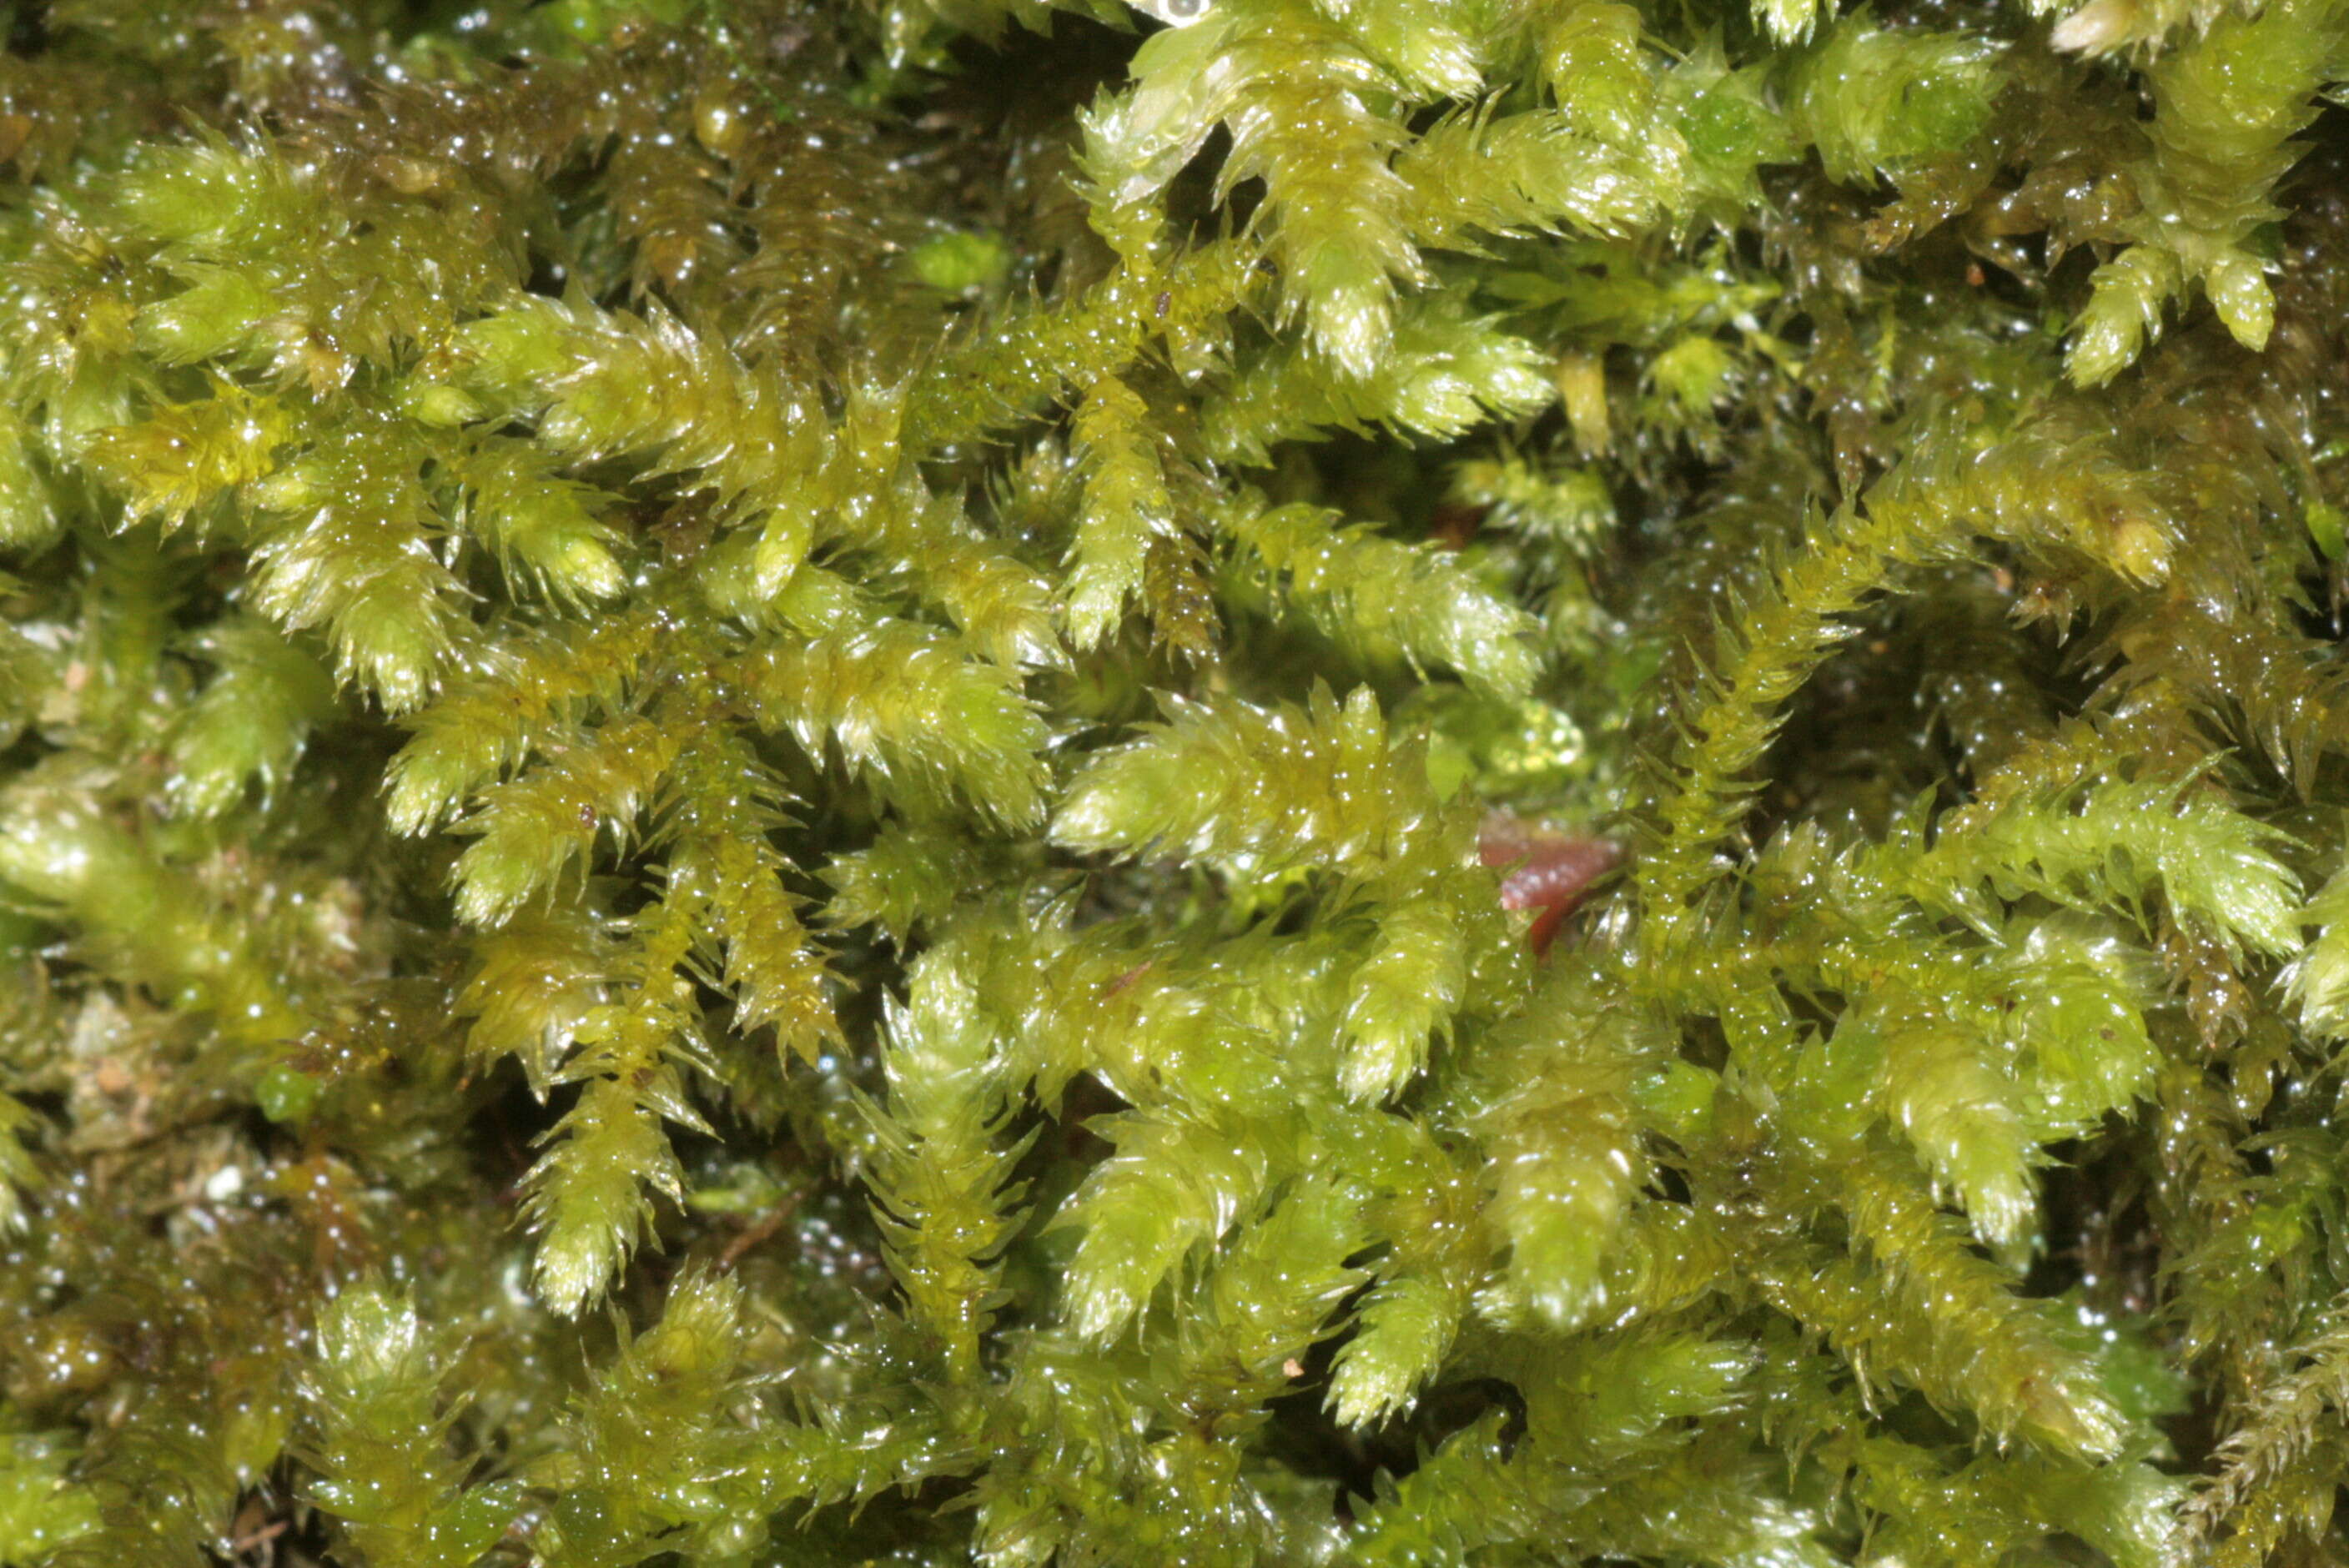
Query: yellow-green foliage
1203,784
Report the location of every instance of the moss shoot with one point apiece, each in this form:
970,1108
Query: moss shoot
1204,784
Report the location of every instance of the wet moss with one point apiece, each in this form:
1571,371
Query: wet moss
1473,782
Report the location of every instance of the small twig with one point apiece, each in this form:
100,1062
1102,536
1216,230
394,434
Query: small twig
766,1227
268,1533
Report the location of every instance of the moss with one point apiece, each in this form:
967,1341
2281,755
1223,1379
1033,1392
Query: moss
1425,782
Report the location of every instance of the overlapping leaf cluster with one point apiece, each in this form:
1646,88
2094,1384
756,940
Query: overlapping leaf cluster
760,756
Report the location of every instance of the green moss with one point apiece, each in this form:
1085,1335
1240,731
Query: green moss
801,782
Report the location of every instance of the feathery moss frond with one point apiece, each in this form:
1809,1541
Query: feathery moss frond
377,1399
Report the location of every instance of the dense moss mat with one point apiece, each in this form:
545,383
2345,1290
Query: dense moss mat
1373,782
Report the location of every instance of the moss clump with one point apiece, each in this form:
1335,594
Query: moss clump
1406,782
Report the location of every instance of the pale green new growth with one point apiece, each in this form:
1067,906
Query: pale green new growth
385,1471
1562,1160
1253,790
1386,600
942,1164
1127,511
41,1509
2318,979
586,1198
